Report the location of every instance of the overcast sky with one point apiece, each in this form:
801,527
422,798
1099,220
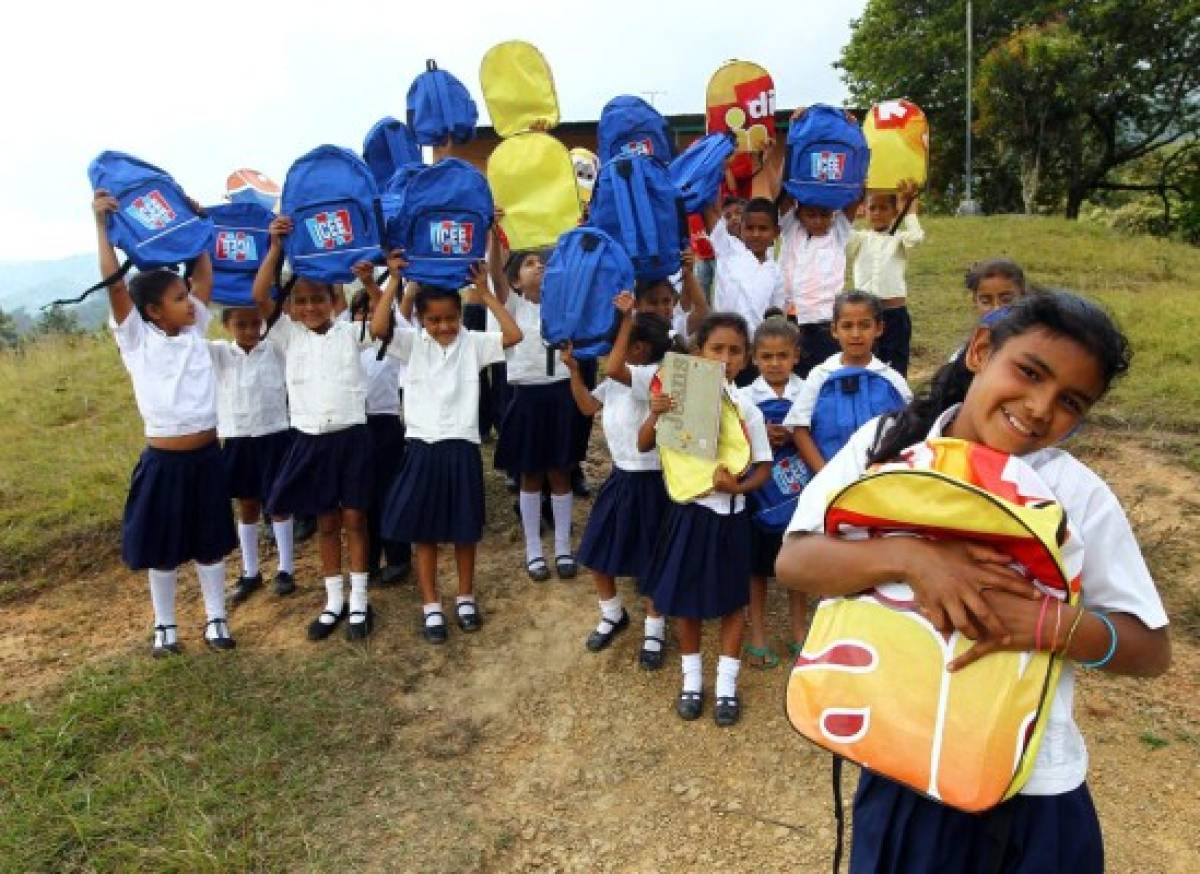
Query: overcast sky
201,89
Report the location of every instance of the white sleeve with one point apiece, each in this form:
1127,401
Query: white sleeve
910,232
203,315
282,332
723,243
402,345
219,352
756,428
844,468
800,415
855,243
842,229
600,392
779,297
130,333
640,377
489,346
899,383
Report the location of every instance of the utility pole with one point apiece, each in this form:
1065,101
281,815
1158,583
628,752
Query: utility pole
650,95
968,206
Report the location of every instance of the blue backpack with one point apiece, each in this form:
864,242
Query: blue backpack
585,272
442,223
155,225
775,502
631,126
440,108
388,146
636,203
240,242
331,198
850,397
391,196
698,171
827,158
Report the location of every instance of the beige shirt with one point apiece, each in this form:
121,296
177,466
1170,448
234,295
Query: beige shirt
880,259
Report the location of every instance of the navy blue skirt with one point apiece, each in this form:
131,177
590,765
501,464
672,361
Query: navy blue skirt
622,530
541,430
897,831
438,496
252,463
324,472
178,510
764,549
701,568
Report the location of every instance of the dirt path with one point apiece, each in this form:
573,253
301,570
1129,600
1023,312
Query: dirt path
560,760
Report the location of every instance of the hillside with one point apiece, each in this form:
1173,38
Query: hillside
514,750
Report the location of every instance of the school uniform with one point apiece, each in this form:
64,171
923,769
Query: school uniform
438,495
1051,824
745,285
252,416
542,425
764,545
178,507
814,272
878,261
328,465
801,413
701,568
622,530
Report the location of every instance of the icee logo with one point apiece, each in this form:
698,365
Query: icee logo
449,237
151,211
828,166
330,229
236,246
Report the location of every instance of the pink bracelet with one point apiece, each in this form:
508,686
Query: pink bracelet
1037,635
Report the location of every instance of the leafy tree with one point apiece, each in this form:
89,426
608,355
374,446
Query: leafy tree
9,336
58,320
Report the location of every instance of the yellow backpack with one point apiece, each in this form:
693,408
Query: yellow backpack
871,683
898,136
689,476
533,180
518,88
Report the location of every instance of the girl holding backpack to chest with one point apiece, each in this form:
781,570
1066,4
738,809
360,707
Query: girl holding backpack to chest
1023,385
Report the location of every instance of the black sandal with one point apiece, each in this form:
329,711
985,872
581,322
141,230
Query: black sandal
158,650
223,640
690,705
361,629
652,659
434,633
468,620
537,569
318,630
728,710
599,640
245,587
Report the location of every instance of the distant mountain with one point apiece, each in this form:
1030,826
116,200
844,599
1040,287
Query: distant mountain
29,285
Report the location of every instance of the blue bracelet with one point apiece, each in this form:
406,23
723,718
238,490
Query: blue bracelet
1112,644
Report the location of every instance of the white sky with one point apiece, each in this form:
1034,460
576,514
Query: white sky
201,89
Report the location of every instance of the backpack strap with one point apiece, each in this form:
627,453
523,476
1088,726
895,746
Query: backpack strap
900,217
626,218
103,283
587,263
643,210
285,288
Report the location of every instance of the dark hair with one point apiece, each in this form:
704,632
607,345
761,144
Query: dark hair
764,207
148,289
643,287
1005,268
304,281
655,331
722,320
777,327
732,201
427,294
516,260
854,296
227,312
1061,313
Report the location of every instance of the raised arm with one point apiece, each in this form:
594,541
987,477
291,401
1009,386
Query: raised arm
202,278
510,334
264,280
615,366
587,403
807,447
495,260
118,293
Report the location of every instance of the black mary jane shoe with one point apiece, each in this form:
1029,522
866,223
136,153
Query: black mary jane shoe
599,639
652,659
245,587
223,639
727,711
690,705
285,583
159,648
566,567
318,630
362,628
537,569
437,633
468,620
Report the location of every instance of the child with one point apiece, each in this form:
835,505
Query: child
540,435
252,422
178,504
327,470
1025,384
879,258
438,496
384,377
995,283
748,279
683,311
701,569
622,530
857,325
775,354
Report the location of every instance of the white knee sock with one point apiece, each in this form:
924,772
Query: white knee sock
248,538
212,587
727,674
612,608
693,679
283,543
531,521
358,594
561,507
335,599
162,597
656,626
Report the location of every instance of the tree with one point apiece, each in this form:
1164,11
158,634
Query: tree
58,320
9,337
1027,91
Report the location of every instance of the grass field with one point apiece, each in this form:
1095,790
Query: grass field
218,764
